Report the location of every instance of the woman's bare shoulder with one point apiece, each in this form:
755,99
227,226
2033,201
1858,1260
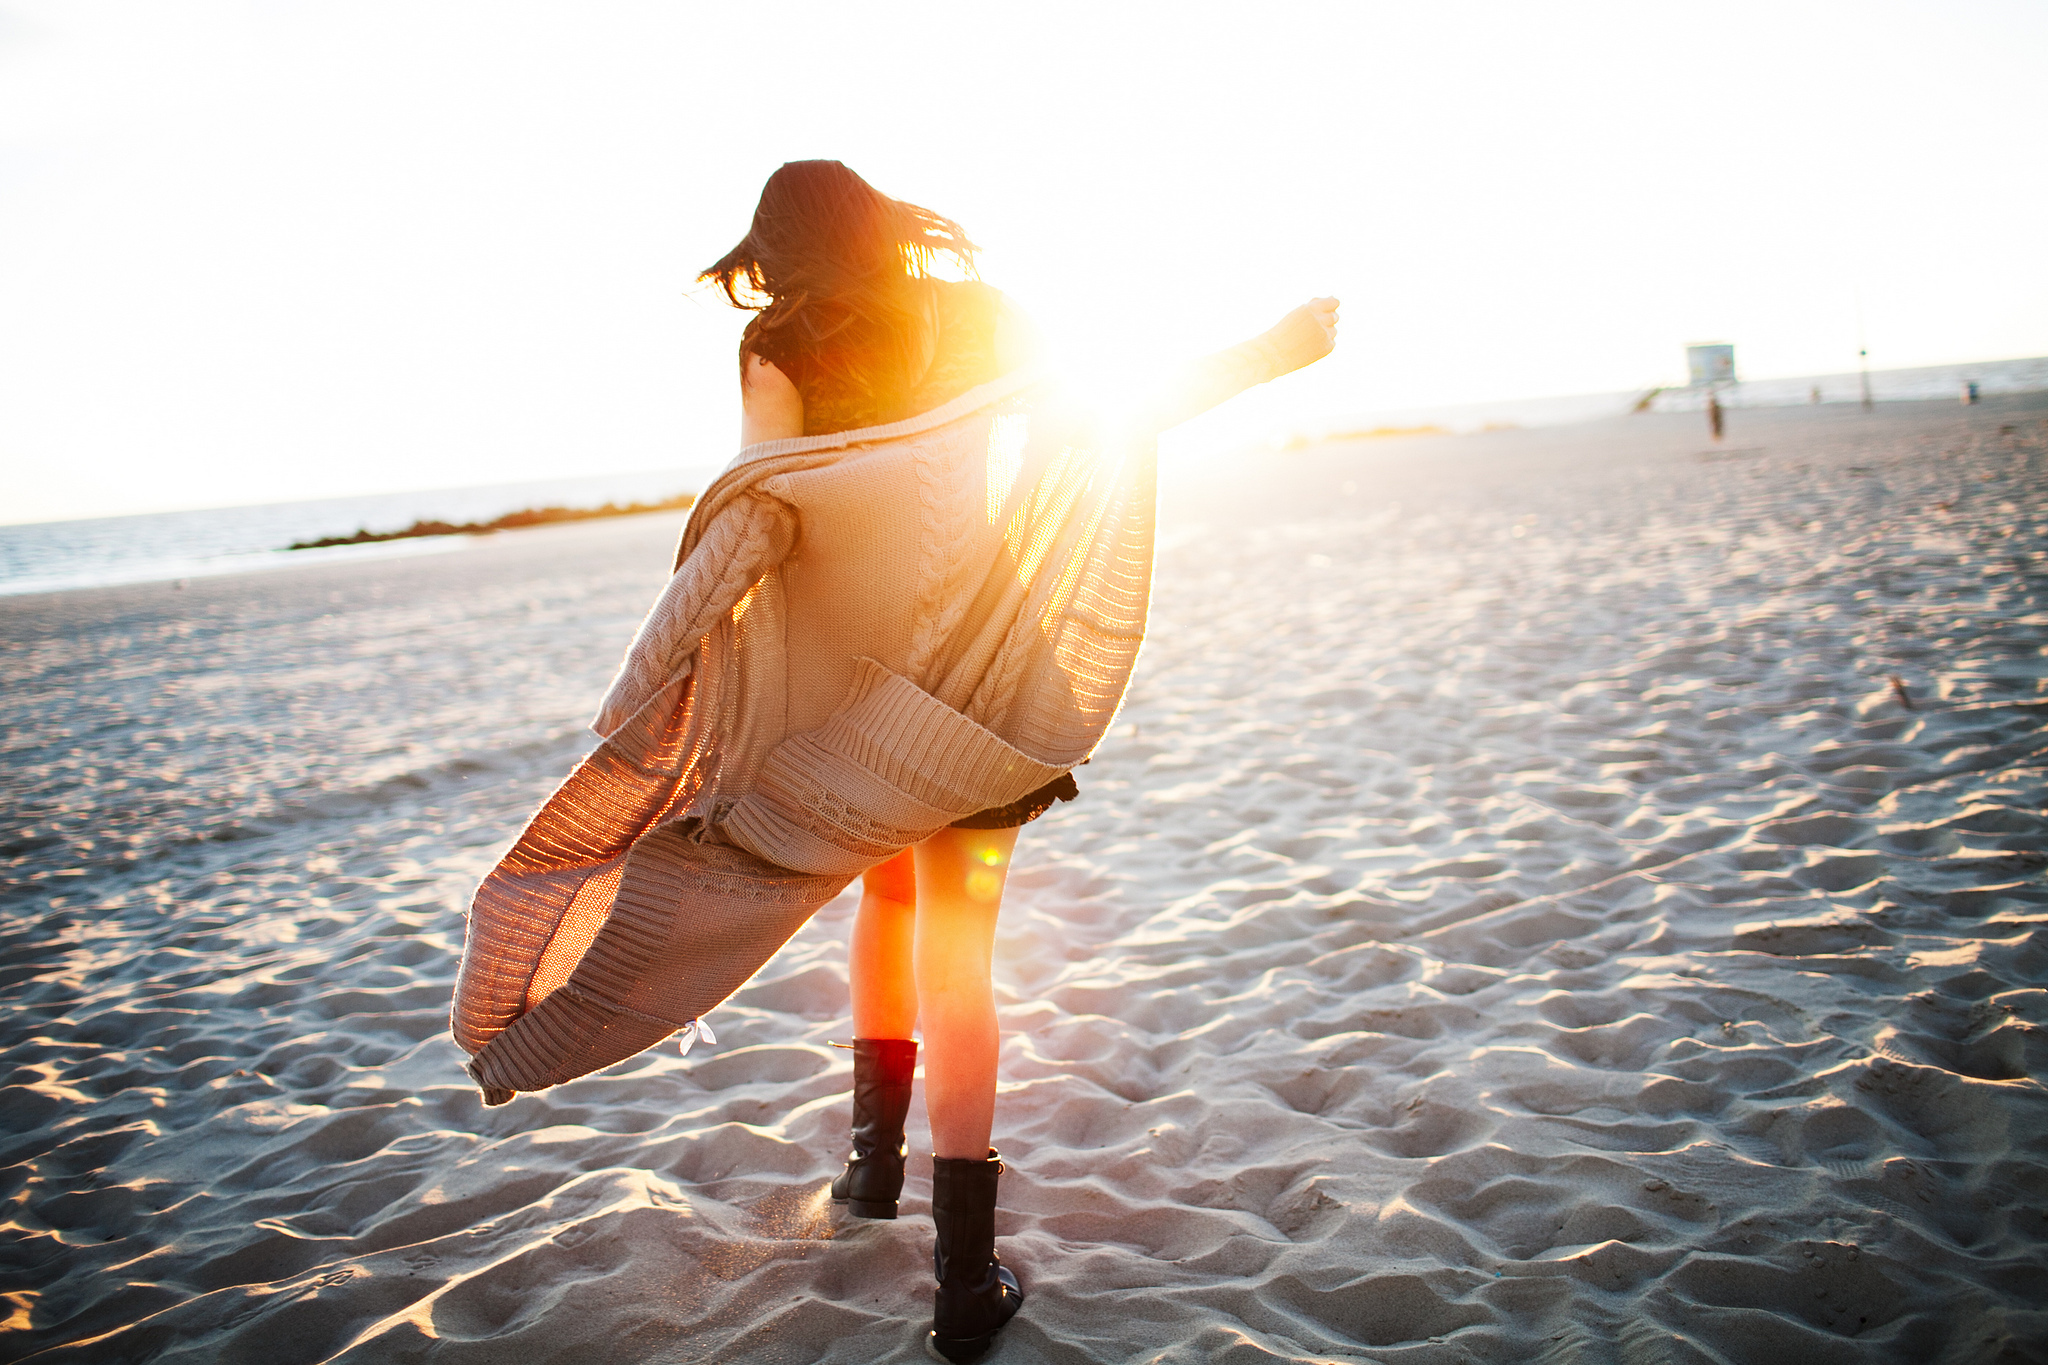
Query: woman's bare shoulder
771,409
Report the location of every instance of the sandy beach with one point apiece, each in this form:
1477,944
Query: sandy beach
1559,895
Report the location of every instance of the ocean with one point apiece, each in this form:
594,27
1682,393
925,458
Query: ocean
55,556
159,547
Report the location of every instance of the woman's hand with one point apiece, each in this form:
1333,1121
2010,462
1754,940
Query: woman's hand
1305,335
1301,338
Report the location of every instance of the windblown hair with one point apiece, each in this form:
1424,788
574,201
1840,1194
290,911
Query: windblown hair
836,273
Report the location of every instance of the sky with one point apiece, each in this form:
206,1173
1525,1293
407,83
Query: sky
255,252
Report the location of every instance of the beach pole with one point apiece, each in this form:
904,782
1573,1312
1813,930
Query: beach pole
1862,350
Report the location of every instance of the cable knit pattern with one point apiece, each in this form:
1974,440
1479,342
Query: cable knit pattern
751,537
943,489
862,641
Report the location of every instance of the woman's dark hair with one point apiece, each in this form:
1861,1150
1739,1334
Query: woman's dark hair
834,270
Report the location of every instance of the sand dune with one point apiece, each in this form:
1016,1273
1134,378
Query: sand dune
1518,917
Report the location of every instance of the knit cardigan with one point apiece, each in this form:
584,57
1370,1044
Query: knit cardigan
867,636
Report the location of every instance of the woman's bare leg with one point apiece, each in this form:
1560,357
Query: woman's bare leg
879,972
960,878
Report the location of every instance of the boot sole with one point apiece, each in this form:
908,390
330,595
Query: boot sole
868,1208
964,1348
960,1350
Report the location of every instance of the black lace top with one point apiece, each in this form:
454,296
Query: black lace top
964,356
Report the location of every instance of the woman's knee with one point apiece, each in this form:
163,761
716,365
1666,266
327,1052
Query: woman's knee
894,880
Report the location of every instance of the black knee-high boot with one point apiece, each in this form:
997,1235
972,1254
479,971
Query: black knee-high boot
977,1294
873,1179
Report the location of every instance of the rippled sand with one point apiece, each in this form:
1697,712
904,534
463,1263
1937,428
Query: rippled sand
1516,918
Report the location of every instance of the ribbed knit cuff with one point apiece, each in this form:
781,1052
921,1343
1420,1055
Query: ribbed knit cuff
891,766
924,748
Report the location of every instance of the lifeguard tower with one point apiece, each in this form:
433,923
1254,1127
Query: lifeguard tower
1710,366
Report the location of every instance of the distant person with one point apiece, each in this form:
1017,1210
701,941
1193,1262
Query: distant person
1714,413
896,623
1813,395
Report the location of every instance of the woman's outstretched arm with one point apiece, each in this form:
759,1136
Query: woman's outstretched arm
1301,338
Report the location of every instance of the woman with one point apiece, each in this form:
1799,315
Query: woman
897,622
856,333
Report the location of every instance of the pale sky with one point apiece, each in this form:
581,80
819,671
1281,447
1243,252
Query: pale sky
253,252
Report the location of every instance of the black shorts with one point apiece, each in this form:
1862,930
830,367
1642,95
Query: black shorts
1024,809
